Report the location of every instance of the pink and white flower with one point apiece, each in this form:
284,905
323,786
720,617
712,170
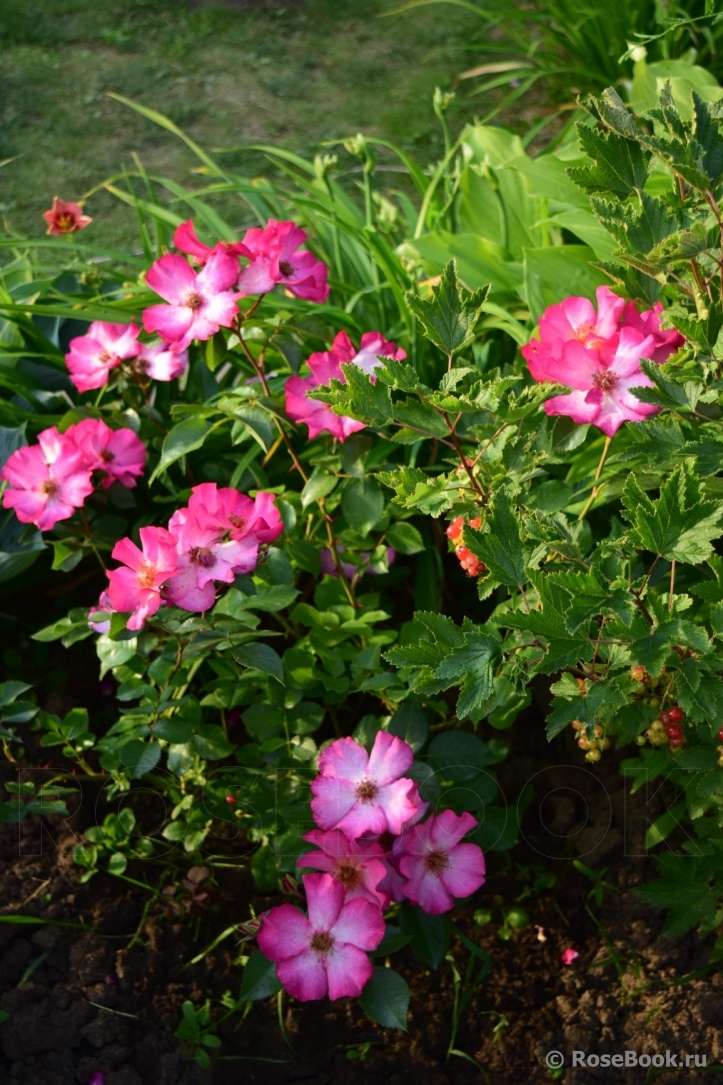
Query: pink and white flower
276,258
186,240
235,514
359,868
120,454
361,793
648,323
199,303
99,616
373,346
325,952
47,482
205,556
104,346
602,393
136,585
160,363
598,356
437,867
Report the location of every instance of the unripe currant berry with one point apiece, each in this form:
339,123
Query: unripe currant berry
676,714
657,725
720,762
719,750
637,674
593,755
576,725
640,740
606,744
598,731
583,743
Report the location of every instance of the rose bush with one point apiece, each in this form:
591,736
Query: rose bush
317,412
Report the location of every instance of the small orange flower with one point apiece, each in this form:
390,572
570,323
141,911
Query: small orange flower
65,218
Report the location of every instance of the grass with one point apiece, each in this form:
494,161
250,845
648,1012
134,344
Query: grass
295,73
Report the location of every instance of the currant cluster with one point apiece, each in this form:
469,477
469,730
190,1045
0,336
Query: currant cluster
593,746
666,729
455,533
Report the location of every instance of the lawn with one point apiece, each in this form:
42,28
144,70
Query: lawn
296,74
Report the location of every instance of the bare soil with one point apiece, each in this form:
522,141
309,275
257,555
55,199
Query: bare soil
110,998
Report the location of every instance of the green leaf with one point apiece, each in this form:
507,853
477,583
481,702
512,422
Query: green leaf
186,437
10,690
429,934
472,667
385,999
449,319
140,757
410,724
259,979
319,485
500,547
621,165
405,538
688,901
211,742
362,504
458,755
678,526
260,657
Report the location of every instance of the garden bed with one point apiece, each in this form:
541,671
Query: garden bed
528,1005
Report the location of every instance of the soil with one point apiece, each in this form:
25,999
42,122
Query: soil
110,998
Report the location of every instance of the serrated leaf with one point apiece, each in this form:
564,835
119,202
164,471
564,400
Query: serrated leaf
449,319
500,547
678,526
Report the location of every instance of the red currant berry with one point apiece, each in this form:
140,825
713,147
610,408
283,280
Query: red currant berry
673,731
720,735
476,523
666,718
454,531
230,799
676,714
676,743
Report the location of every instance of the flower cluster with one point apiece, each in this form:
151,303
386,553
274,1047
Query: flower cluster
106,346
215,538
371,849
48,481
455,533
200,301
326,366
598,355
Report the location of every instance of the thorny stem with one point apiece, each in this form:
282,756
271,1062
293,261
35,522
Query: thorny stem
258,370
596,490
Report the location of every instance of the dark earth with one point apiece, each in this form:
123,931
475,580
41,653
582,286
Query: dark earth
630,989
